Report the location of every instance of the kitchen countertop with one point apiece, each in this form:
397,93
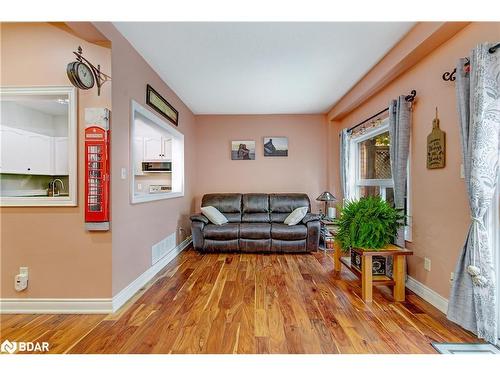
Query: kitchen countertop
30,193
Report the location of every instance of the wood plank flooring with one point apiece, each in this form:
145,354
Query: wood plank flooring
247,303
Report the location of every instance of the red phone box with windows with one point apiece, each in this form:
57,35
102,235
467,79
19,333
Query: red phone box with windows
97,168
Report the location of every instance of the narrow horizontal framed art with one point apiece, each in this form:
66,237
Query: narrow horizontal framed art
160,105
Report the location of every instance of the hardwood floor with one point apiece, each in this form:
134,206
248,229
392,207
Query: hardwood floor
247,303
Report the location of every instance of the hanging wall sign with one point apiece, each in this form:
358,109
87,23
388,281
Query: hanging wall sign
436,146
160,105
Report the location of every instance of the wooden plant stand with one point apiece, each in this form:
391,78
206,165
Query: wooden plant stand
366,276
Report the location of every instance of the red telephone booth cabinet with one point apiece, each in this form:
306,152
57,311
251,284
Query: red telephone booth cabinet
97,173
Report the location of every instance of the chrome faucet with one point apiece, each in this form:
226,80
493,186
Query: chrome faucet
54,186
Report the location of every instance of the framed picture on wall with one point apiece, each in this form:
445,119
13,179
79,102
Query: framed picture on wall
275,146
242,150
160,105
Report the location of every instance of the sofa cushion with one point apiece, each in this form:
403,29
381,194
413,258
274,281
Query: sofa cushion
282,246
221,246
225,203
255,231
296,216
278,217
255,218
255,203
229,231
286,203
255,246
233,218
214,215
288,232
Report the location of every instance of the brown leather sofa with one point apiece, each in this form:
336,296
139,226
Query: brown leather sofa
255,224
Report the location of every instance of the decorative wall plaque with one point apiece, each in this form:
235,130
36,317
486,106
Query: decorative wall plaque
160,105
436,146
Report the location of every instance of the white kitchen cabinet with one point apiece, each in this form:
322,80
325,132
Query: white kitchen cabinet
13,145
61,156
167,148
26,152
40,154
157,148
152,148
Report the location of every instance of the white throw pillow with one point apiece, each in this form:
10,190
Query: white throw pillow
296,216
214,215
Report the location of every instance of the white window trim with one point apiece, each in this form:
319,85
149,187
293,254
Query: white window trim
178,148
357,182
72,198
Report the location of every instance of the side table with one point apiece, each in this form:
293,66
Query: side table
366,275
327,234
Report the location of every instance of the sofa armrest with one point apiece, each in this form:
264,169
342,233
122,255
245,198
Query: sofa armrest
313,234
199,217
197,233
311,217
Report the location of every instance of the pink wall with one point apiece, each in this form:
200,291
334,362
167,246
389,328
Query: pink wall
64,260
67,262
304,170
136,227
440,208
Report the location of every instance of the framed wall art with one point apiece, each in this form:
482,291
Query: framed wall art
275,146
242,150
160,105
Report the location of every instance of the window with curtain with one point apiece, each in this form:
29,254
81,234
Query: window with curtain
372,167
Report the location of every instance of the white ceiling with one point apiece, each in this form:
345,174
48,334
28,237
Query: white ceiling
262,68
48,104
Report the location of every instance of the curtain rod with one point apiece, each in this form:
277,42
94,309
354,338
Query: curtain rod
494,48
447,76
409,98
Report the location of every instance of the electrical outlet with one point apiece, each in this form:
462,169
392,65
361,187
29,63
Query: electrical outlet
21,279
139,186
427,264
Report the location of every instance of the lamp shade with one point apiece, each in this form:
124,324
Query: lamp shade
326,197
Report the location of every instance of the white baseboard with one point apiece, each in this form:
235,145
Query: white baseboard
427,294
56,305
88,305
128,292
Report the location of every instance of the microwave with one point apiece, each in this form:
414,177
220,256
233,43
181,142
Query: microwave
157,166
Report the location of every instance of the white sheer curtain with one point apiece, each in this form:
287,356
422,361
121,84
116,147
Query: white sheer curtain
345,166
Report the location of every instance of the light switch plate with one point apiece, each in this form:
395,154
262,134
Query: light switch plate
124,173
462,171
427,264
23,271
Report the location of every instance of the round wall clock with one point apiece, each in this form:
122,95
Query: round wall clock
80,75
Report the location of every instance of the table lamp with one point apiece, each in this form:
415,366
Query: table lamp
327,197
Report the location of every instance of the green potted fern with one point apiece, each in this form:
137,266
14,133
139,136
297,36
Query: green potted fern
369,222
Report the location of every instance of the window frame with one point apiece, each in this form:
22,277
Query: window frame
179,162
383,184
72,199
